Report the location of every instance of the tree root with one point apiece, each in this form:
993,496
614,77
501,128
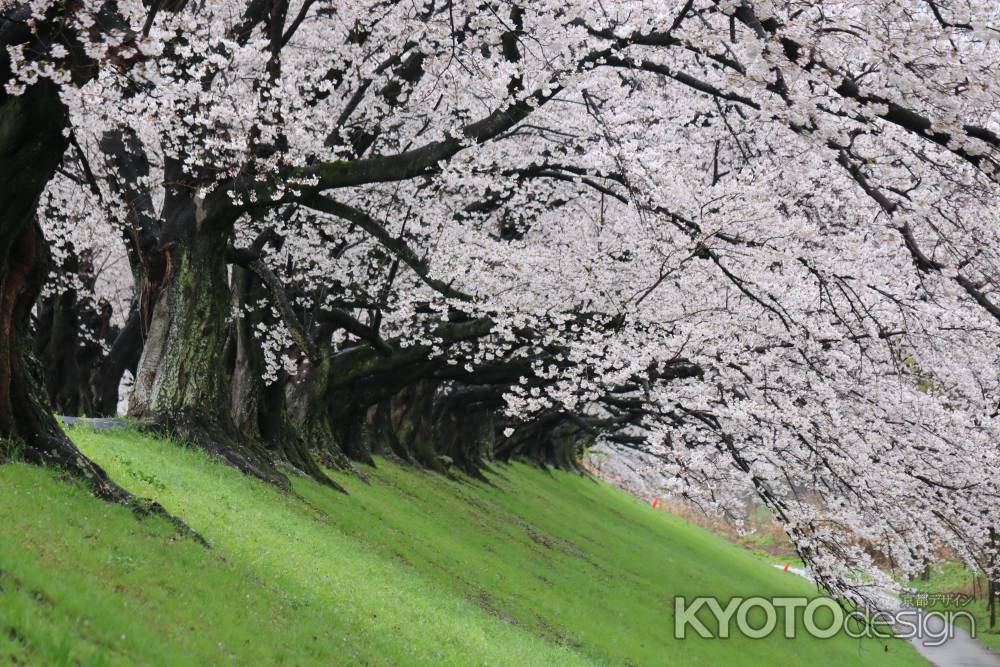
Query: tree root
58,450
247,456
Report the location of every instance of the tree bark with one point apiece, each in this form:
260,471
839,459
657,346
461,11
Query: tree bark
123,356
56,338
426,422
182,387
550,440
71,360
306,431
31,147
285,415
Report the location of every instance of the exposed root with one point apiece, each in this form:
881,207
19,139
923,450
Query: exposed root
247,456
144,507
58,450
303,463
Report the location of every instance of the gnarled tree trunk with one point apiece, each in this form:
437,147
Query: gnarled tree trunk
552,440
305,429
182,386
285,415
427,422
31,146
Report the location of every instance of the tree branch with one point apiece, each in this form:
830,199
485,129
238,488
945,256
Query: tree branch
395,245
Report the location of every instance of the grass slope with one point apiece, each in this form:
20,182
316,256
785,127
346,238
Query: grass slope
535,568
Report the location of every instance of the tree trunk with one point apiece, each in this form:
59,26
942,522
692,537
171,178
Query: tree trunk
71,360
31,146
244,357
550,440
306,430
56,338
426,423
265,412
182,387
123,356
991,578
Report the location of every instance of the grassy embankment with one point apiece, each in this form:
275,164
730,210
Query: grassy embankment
534,568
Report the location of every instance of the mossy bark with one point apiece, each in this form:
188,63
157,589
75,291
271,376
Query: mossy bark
182,386
306,428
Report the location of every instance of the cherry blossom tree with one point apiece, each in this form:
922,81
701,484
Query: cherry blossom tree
753,240
32,142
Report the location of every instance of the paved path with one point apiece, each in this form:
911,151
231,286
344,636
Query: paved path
102,424
959,650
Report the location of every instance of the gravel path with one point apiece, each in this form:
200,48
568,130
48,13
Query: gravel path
101,424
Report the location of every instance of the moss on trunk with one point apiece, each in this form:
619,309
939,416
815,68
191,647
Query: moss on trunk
31,145
182,384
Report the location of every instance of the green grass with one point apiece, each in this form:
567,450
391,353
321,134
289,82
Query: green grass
956,578
534,568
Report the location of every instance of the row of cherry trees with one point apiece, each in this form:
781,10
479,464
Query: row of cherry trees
755,240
